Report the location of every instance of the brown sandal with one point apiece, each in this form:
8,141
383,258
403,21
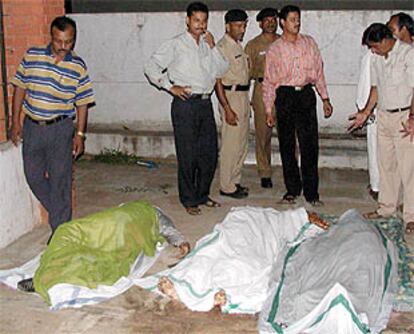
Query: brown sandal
210,203
193,210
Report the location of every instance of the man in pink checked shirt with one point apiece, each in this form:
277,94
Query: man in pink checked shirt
293,66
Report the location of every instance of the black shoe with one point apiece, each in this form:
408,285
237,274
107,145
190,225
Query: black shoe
238,194
242,188
266,182
26,285
374,195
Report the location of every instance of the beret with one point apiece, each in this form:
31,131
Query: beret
235,15
266,12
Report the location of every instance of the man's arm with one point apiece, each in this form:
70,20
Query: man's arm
320,83
359,118
79,137
16,128
408,126
229,115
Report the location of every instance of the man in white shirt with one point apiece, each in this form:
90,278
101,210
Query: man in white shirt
187,67
392,86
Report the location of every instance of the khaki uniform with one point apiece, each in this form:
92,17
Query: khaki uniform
234,139
256,50
394,79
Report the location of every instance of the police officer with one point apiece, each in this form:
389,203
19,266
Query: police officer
233,93
256,50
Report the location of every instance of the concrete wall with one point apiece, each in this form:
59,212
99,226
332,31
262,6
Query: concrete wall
19,210
116,46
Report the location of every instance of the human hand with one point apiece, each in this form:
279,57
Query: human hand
231,116
78,146
209,38
327,108
358,120
181,92
184,249
16,133
270,120
318,221
408,129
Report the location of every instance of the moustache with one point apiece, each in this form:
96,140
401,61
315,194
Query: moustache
63,50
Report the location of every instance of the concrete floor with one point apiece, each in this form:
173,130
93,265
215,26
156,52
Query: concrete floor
137,311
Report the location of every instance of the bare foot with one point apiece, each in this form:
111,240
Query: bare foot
167,288
220,299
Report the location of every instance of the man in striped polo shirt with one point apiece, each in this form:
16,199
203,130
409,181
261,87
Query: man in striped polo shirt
51,88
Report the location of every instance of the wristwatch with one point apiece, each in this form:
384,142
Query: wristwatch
81,134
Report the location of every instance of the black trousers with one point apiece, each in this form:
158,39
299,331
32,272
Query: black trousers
296,116
48,149
195,136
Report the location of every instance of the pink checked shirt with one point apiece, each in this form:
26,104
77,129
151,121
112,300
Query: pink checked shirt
293,64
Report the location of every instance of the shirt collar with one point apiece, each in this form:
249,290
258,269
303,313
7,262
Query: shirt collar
298,39
230,40
394,49
49,52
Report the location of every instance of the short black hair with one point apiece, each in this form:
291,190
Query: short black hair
375,33
62,23
196,7
284,12
404,20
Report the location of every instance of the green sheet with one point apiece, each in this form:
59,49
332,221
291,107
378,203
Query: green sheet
99,248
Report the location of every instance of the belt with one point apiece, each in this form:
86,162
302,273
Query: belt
242,88
398,109
260,80
48,121
296,88
199,96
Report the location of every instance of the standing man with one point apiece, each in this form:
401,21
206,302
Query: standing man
293,65
392,86
256,50
402,27
363,90
233,93
52,87
187,67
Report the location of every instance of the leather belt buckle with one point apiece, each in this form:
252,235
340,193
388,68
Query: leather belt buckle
205,96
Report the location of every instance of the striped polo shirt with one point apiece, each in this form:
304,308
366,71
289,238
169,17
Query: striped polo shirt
53,89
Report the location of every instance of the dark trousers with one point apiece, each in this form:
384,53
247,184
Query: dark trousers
47,160
296,116
195,136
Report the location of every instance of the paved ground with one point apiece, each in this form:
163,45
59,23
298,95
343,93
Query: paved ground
137,311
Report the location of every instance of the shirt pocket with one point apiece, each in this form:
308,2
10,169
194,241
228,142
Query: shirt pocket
397,75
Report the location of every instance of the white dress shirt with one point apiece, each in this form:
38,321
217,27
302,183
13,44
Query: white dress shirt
180,61
394,76
364,83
